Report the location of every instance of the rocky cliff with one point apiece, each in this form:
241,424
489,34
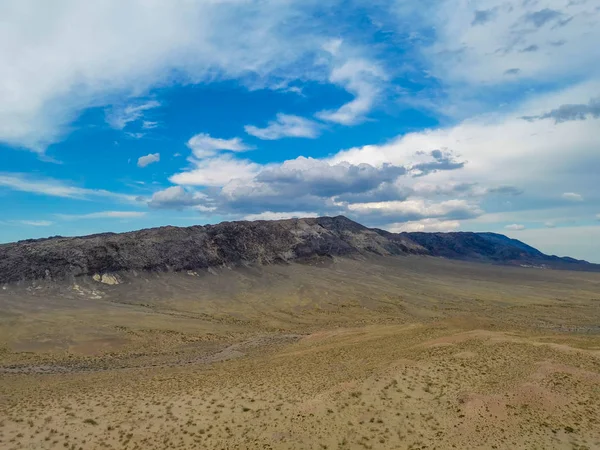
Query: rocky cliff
259,242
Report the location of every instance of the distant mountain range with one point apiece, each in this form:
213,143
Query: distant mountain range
253,243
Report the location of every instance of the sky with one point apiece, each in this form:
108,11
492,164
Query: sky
437,115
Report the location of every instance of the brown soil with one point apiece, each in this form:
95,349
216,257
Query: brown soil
408,353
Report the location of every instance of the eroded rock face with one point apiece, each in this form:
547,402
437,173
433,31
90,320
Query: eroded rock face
232,244
192,248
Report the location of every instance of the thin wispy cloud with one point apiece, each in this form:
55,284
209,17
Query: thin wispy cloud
56,188
203,145
103,215
119,117
32,223
286,126
572,196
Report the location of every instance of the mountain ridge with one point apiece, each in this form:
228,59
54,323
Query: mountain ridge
260,242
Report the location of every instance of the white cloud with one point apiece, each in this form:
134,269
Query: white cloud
362,78
176,197
34,223
270,215
285,125
114,50
425,225
572,196
143,161
550,224
504,149
319,177
529,37
104,215
216,171
149,125
437,179
119,117
412,209
55,188
135,135
515,227
203,145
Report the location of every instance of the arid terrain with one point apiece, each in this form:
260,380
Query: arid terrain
368,352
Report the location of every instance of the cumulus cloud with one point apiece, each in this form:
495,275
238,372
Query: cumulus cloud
441,161
119,117
144,161
416,209
515,227
285,125
318,177
565,113
216,171
386,191
500,150
494,162
303,184
203,145
104,215
176,197
572,196
307,184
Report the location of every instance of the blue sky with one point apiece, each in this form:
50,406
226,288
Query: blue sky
410,116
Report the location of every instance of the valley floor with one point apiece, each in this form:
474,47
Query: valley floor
408,353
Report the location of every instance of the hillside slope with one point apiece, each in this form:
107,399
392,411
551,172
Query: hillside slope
192,248
494,248
259,242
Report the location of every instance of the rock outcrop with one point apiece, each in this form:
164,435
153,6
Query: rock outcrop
242,243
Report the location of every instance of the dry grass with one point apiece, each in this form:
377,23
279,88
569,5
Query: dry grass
409,354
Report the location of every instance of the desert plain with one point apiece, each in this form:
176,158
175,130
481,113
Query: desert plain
332,353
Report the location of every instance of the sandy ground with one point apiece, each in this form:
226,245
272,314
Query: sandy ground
411,353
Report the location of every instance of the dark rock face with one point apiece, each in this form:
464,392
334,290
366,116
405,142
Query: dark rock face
197,247
494,248
474,246
238,243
